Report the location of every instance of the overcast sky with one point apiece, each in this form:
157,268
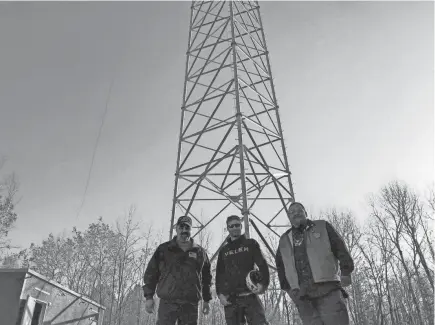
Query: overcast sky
354,82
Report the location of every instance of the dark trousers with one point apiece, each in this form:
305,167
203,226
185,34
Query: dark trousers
326,310
170,312
245,307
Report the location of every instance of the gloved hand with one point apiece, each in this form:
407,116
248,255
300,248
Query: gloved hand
149,306
224,300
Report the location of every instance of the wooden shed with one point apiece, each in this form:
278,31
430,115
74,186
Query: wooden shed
28,298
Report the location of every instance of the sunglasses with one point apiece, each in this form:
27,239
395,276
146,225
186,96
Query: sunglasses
235,225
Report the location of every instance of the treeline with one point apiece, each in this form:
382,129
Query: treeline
392,281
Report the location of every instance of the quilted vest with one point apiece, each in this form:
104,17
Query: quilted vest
324,266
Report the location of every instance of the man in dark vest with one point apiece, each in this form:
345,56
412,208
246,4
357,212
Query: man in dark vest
180,269
236,260
314,265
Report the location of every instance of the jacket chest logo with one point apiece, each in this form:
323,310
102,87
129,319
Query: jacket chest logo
193,255
315,233
237,250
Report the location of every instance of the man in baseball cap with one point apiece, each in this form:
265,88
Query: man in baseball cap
184,219
190,278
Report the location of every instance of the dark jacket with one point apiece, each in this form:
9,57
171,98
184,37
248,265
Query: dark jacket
178,275
307,285
235,260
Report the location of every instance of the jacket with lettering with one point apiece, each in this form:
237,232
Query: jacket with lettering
177,275
235,260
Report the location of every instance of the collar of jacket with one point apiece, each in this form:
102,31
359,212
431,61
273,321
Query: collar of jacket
241,237
173,243
310,224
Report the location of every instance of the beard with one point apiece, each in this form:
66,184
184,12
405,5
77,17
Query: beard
185,236
300,222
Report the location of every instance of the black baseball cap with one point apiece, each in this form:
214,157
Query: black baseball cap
233,217
185,219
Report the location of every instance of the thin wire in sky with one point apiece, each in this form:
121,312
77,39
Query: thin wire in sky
95,148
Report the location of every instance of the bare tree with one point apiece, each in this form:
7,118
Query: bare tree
394,210
8,189
431,199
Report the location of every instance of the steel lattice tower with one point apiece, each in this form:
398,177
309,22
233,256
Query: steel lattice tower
231,154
